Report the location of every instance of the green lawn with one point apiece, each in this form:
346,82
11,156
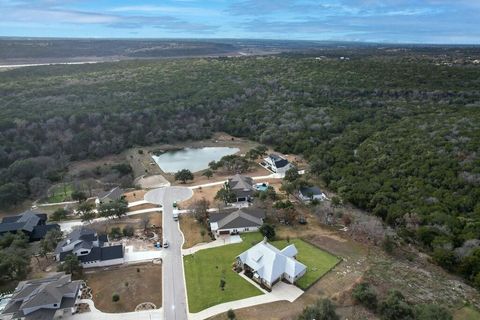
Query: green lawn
466,313
60,193
204,270
318,262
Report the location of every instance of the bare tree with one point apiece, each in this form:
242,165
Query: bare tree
145,222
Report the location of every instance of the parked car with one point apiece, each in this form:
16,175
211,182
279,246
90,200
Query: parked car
165,244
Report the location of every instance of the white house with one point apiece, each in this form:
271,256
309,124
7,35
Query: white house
307,194
49,298
277,163
236,221
92,250
270,265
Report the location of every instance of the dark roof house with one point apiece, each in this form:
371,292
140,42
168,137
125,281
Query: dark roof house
311,193
277,163
242,187
236,220
92,249
115,194
44,299
32,223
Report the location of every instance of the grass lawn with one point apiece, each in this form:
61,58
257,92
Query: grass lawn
318,262
205,269
59,193
466,313
132,286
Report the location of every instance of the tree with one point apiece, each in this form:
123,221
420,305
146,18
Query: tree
208,173
226,194
50,241
71,265
115,297
364,294
231,315
288,188
322,310
267,230
12,194
184,175
14,256
395,307
79,196
59,214
85,211
145,222
432,311
292,175
200,210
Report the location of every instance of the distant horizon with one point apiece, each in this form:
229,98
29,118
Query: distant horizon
442,22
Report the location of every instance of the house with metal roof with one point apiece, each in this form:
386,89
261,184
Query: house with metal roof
277,163
307,194
92,249
242,187
268,265
32,223
49,298
235,221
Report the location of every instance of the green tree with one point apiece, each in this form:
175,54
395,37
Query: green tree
85,211
432,312
208,173
71,265
231,315
267,230
12,194
226,194
292,175
395,307
365,294
79,196
50,241
184,175
115,297
322,310
58,215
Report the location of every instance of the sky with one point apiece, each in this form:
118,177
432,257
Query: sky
393,21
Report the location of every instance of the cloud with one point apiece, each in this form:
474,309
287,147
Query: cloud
181,10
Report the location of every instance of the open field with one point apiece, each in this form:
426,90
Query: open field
208,193
205,269
466,313
318,262
192,231
132,286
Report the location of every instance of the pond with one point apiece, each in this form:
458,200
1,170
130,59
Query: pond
191,159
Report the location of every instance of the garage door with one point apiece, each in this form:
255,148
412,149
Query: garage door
224,232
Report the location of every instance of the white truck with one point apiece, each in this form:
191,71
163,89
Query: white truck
175,214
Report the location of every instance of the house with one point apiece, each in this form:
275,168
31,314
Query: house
110,196
32,223
242,187
92,250
277,163
269,265
43,299
236,221
307,194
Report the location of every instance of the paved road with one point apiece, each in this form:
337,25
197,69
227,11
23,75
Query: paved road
174,293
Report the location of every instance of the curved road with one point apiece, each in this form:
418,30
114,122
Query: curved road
174,293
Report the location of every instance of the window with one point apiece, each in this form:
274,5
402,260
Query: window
55,305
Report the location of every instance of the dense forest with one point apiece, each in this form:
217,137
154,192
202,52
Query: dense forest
396,133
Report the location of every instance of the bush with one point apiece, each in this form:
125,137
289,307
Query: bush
365,295
115,297
59,214
388,245
432,311
395,307
322,310
268,231
128,231
115,232
231,315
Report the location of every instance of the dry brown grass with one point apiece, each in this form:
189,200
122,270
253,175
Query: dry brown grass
133,287
198,194
192,231
135,195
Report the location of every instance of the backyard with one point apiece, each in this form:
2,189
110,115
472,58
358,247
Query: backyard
134,284
205,269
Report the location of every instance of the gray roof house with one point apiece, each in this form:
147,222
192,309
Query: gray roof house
92,250
242,187
277,163
110,196
233,221
270,265
32,223
307,194
44,299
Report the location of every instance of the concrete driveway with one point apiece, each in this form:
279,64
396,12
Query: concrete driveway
174,293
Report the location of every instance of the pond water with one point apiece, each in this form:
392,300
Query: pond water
191,159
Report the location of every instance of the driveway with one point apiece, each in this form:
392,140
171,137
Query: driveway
174,293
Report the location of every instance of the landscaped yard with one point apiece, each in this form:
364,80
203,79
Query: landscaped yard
205,269
133,287
318,262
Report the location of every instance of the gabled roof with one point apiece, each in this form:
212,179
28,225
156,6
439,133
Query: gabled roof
114,194
240,218
27,221
270,263
242,186
279,161
37,293
307,191
40,231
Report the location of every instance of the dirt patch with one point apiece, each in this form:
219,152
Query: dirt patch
142,207
192,231
135,195
208,193
151,182
134,284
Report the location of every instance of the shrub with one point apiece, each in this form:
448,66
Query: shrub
365,295
432,311
395,307
322,310
128,231
268,231
231,315
115,297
